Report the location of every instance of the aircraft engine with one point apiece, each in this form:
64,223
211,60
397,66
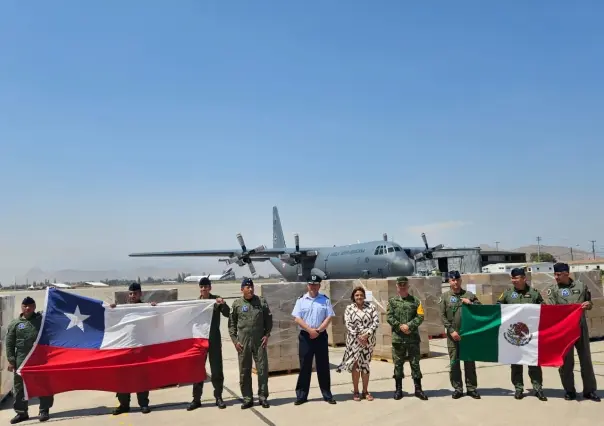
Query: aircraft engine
244,257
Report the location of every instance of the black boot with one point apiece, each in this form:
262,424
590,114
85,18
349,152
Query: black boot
419,393
398,386
20,417
220,403
44,415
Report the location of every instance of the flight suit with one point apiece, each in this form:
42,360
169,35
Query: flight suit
450,315
575,292
20,338
249,322
514,296
124,398
214,352
406,347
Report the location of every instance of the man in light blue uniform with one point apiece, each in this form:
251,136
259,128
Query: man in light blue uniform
313,313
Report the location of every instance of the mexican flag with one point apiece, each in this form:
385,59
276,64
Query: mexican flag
526,334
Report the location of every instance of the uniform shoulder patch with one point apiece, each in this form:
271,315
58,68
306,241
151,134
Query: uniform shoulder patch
549,291
440,299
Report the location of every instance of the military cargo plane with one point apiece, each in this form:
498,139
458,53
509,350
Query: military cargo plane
374,259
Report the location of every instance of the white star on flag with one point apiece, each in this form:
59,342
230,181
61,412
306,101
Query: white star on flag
76,319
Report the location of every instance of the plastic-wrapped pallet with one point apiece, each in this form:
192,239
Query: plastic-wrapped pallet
152,295
487,287
339,292
282,346
7,314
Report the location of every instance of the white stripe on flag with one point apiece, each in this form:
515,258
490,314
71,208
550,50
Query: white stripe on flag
519,351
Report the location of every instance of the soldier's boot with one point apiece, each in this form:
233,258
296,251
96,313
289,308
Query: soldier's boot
398,388
145,410
519,394
220,403
458,393
121,409
474,394
44,415
570,396
246,405
539,394
195,404
419,393
20,417
592,396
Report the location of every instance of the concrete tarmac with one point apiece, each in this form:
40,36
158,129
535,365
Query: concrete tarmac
497,406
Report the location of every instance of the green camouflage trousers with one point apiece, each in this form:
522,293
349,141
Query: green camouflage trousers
402,352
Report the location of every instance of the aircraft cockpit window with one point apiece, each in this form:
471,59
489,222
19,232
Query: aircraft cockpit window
390,249
397,248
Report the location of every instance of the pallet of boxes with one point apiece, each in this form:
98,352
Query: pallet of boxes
427,289
488,288
282,349
7,314
282,346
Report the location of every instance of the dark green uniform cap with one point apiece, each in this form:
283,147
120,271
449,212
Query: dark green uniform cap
402,280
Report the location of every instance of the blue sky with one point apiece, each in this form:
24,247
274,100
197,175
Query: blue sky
151,125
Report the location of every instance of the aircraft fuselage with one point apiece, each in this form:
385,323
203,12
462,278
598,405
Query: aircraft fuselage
375,259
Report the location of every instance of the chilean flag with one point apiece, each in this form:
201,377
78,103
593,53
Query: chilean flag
84,344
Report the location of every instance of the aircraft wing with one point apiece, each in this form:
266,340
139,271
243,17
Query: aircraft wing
258,255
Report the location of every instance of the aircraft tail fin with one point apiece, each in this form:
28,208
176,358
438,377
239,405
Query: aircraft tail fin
278,238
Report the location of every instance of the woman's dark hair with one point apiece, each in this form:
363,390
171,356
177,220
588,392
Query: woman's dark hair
359,288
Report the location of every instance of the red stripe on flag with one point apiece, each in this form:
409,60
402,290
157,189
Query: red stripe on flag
51,370
559,329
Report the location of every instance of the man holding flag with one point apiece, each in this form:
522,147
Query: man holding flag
20,338
450,313
567,291
522,293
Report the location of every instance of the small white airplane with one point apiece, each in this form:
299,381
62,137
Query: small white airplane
96,284
226,275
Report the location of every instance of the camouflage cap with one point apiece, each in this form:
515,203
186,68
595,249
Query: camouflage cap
402,280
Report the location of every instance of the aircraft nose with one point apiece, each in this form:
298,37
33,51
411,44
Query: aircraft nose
401,267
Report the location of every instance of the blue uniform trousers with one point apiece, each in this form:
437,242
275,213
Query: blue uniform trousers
307,350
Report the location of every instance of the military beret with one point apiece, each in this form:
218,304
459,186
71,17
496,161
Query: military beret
134,287
402,280
561,267
518,272
28,301
314,279
247,282
454,274
204,281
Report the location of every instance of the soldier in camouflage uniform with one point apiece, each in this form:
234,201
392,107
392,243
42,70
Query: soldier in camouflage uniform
405,314
250,325
20,338
521,292
567,291
450,314
215,349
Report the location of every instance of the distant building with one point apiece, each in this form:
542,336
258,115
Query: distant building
491,257
506,268
586,265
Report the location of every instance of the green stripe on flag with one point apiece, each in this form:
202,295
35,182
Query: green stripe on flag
480,333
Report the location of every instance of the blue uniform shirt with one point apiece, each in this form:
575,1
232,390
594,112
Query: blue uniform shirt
313,311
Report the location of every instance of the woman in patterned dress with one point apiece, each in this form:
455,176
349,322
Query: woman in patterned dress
362,320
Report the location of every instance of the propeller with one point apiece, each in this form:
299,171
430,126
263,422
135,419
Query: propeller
427,254
294,258
244,258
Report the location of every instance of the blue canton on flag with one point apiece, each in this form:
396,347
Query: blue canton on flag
73,321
